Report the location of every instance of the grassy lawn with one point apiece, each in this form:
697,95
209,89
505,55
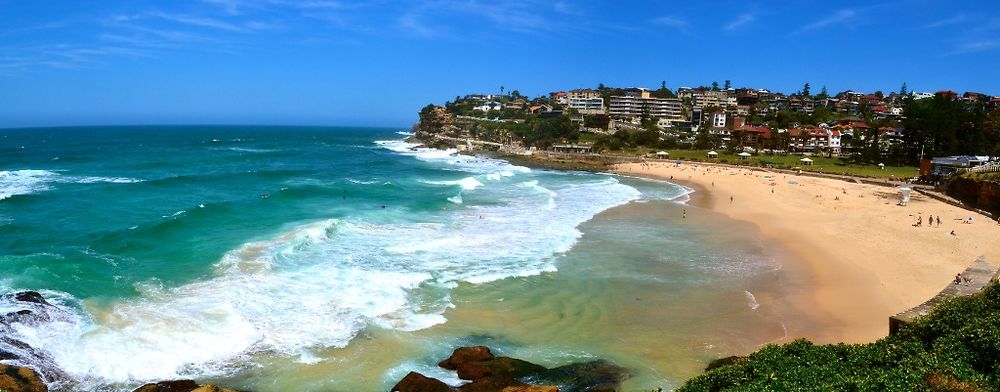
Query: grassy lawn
820,164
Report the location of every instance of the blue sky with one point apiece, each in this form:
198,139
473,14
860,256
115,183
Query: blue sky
373,62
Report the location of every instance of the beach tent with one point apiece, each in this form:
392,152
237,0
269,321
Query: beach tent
806,161
662,154
904,196
744,155
713,154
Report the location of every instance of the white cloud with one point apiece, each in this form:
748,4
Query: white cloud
740,21
839,16
672,22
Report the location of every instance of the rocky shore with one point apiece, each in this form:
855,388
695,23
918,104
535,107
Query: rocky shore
489,373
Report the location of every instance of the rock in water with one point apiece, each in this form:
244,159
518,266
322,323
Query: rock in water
491,384
416,382
169,386
466,354
532,388
500,366
586,376
31,296
20,379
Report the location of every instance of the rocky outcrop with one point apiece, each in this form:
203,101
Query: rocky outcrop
984,195
31,309
416,382
489,373
465,355
181,386
20,379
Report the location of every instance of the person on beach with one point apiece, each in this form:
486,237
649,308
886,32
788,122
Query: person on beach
920,221
952,233
939,220
967,280
684,214
730,199
958,279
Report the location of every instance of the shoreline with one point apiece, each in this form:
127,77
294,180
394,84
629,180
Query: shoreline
859,259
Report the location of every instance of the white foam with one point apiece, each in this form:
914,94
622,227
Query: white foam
24,182
467,183
752,300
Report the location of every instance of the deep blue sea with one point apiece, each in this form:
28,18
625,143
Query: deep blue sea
213,252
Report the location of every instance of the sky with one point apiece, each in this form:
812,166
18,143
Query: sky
377,62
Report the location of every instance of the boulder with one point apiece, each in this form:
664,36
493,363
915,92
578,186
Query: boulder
416,382
212,388
31,296
169,386
20,379
532,388
491,384
590,376
466,354
500,366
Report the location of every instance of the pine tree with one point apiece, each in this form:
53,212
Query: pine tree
715,86
903,91
805,90
728,84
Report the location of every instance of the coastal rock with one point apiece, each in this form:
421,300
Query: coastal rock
590,376
491,384
466,354
212,388
169,386
31,296
20,379
532,388
500,366
733,360
416,382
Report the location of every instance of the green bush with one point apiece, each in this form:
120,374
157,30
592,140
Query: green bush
954,348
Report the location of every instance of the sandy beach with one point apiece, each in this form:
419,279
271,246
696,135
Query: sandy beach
860,256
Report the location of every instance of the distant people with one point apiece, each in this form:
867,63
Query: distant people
684,214
730,199
952,233
920,221
958,279
968,220
966,279
939,220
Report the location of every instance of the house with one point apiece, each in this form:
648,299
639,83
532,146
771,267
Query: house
750,136
941,166
539,109
718,120
489,106
559,97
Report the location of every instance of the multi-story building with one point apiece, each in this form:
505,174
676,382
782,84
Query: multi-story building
704,99
718,120
586,101
637,102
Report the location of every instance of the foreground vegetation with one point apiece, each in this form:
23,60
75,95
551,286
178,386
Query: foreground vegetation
955,348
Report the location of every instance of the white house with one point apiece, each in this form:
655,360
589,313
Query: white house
718,120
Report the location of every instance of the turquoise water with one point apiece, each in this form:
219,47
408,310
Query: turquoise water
283,258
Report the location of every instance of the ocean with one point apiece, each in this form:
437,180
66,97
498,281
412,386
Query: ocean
339,259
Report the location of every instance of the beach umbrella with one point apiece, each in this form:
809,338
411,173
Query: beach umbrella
744,155
806,161
662,154
713,154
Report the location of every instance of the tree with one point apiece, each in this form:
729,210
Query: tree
728,84
663,85
805,90
823,94
903,91
600,86
715,86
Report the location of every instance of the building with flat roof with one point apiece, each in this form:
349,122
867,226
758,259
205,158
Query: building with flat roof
637,102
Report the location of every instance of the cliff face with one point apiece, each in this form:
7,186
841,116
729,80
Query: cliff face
984,195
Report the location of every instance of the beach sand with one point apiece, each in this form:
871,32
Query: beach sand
857,254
